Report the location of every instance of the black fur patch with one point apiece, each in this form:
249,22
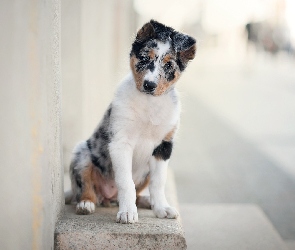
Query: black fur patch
163,32
77,177
153,44
169,71
180,64
103,154
95,161
151,66
182,42
103,134
143,64
78,197
96,135
136,47
170,76
164,150
110,111
89,144
78,181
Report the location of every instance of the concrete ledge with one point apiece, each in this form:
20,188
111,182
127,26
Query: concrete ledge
100,231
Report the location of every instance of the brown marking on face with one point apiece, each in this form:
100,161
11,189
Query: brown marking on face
142,185
170,135
88,192
138,76
163,84
167,58
152,54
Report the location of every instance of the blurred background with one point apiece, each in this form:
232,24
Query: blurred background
236,143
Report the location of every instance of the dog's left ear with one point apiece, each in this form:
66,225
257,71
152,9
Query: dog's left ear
185,47
146,32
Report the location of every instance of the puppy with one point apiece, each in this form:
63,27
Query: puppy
131,147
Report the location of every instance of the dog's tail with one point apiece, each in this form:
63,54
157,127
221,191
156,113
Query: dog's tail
69,196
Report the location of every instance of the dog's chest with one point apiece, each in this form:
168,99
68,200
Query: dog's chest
153,121
154,118
143,121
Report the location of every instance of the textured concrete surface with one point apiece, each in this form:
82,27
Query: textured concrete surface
100,231
31,173
229,227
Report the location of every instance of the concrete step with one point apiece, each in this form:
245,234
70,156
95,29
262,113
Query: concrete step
100,231
229,227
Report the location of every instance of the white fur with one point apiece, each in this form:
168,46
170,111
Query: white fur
85,207
139,123
163,47
161,50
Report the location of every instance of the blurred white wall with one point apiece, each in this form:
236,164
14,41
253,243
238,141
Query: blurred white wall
96,39
30,107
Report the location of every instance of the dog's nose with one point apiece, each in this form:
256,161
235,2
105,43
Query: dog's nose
149,86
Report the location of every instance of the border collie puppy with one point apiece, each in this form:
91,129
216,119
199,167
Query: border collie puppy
130,148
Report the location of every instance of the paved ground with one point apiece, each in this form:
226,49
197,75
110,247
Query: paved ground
229,227
237,138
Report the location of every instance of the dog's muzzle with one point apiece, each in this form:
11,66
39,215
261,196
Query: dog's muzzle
149,86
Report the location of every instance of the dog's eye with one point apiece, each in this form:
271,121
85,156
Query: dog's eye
168,66
145,58
143,63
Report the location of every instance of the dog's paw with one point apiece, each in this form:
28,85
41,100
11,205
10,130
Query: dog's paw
127,217
166,212
85,207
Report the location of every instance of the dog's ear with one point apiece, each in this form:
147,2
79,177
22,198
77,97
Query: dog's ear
185,47
146,32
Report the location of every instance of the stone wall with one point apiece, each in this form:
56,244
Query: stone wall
96,36
30,104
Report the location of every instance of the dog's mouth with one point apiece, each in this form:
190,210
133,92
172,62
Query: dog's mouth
148,92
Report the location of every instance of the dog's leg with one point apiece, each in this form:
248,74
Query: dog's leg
81,180
158,175
88,198
121,154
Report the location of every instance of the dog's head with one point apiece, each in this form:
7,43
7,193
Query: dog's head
158,56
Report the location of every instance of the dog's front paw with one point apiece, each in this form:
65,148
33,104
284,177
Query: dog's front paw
130,216
166,212
85,207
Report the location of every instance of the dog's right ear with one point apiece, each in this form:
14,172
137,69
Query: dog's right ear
185,46
146,32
